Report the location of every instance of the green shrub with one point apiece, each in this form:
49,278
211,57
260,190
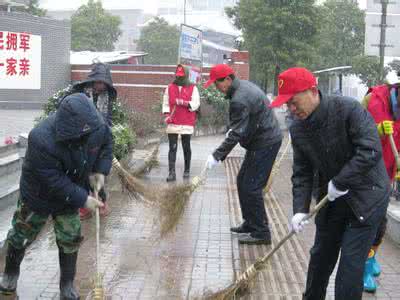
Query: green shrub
218,116
124,140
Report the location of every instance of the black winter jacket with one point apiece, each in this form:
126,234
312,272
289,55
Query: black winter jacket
62,151
252,123
340,142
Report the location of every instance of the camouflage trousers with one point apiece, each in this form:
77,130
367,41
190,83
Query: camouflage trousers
26,225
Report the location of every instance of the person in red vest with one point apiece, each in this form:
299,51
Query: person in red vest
180,102
383,103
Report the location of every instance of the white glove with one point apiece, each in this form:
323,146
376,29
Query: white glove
92,203
182,102
333,192
227,133
298,223
96,181
211,162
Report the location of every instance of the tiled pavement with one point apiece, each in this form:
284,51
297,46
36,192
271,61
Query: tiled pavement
200,256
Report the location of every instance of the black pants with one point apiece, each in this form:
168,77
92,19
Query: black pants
251,180
338,230
173,146
380,233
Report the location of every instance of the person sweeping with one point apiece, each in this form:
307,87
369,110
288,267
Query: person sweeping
99,88
181,100
383,103
68,155
336,137
254,126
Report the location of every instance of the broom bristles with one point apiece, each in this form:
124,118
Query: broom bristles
171,200
227,293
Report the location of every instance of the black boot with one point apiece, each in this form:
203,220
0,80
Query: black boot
171,175
186,173
14,257
187,154
171,165
67,275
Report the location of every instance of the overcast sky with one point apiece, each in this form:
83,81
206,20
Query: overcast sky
149,6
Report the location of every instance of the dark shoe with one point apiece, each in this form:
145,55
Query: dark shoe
67,275
171,177
14,257
241,229
248,239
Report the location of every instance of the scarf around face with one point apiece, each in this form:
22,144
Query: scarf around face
183,80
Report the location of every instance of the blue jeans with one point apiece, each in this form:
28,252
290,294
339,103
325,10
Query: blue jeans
252,178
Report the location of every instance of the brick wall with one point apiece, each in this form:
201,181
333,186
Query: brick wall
55,70
142,86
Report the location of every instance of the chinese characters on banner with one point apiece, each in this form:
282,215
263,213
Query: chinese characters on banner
190,51
20,60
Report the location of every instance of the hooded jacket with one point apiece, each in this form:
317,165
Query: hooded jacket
100,72
62,151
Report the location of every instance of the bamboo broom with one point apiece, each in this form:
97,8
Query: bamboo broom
170,199
244,280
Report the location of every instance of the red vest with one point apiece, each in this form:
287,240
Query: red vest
379,108
179,114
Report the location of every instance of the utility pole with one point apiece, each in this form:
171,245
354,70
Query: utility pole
382,44
184,12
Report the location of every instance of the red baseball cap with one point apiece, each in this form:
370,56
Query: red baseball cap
291,82
180,71
218,72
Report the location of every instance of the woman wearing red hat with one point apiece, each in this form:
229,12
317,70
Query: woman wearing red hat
180,103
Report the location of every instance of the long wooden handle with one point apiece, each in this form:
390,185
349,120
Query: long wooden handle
198,180
252,270
395,152
313,212
98,283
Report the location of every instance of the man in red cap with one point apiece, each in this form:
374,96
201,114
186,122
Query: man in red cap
336,138
254,126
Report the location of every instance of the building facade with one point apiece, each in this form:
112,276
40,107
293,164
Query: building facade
51,59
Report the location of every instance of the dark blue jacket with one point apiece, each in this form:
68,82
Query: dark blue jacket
62,151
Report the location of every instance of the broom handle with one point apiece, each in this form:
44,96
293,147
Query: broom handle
116,164
395,152
252,269
97,241
313,212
